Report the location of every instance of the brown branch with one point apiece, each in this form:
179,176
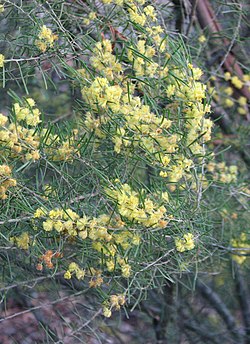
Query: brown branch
196,328
244,300
207,20
213,298
192,17
188,320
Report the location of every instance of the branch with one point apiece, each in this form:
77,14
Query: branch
213,298
25,299
160,325
207,19
244,300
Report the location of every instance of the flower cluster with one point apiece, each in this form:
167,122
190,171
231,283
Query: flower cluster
22,241
114,302
191,94
134,125
141,57
226,95
59,220
46,39
28,113
147,213
94,275
102,95
142,105
222,173
5,181
2,59
20,138
46,259
59,149
235,80
116,2
91,17
243,248
106,234
185,243
144,15
74,269
202,39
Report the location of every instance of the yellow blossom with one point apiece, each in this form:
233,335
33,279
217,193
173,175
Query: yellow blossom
227,76
185,243
228,91
2,59
237,82
92,15
31,102
48,225
106,311
229,102
242,110
73,267
23,241
126,270
3,120
67,275
80,273
150,12
246,77
110,265
243,248
202,39
46,38
59,226
40,212
86,21
83,234
135,16
242,100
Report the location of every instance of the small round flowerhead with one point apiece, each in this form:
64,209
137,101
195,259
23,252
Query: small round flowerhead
67,275
202,39
2,59
106,312
39,267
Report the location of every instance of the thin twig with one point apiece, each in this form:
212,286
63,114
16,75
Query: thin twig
44,305
192,16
